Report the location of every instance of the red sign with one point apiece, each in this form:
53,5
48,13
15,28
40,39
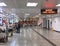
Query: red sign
49,3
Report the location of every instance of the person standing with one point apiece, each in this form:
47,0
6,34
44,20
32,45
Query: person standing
18,27
10,29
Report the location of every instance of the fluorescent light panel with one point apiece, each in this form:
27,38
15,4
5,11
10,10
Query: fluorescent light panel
58,5
2,4
32,4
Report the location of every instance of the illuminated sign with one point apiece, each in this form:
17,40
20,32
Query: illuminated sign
49,3
48,11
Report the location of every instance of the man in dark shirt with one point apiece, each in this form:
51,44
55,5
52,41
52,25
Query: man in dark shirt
18,27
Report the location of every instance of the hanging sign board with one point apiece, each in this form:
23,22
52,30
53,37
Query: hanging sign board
48,11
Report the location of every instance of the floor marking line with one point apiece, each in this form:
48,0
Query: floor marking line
44,38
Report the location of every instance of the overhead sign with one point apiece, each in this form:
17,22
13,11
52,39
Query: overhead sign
49,3
48,11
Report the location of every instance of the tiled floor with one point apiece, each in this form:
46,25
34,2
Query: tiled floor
27,37
49,34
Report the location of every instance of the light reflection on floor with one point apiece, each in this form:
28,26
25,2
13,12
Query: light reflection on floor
27,37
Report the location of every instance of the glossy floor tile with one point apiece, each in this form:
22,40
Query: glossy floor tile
27,37
49,34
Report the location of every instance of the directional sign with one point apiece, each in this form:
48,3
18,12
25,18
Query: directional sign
48,11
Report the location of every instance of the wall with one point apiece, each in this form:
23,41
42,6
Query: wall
56,23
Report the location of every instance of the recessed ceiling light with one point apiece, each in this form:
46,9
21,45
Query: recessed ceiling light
2,4
32,4
58,5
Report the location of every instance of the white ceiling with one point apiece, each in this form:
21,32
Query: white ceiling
21,3
21,8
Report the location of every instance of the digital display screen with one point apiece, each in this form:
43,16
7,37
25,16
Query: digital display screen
48,11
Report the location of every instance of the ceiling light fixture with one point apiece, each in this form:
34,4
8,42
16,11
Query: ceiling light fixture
2,4
58,5
31,4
